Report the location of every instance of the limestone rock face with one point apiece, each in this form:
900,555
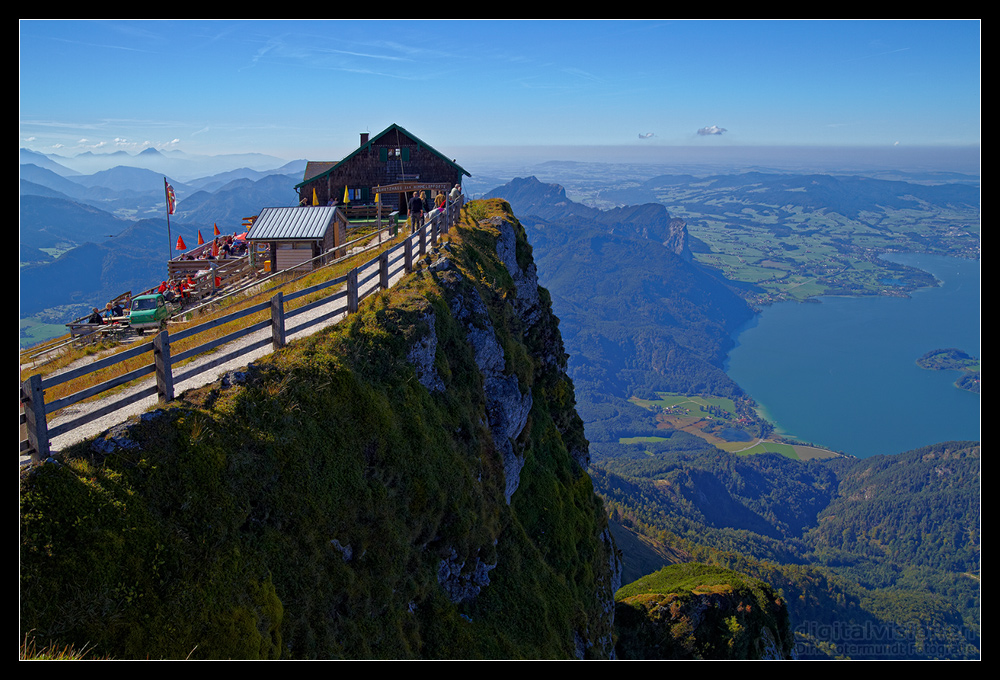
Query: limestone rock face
526,302
507,408
677,241
421,355
463,584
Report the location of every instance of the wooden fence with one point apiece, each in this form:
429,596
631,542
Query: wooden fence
360,282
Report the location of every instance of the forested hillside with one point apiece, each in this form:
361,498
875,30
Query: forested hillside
888,543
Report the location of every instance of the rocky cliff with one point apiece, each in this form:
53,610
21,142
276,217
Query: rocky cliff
410,483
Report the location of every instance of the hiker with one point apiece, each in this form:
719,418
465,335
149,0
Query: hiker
416,212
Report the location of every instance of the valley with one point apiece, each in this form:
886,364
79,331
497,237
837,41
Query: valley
647,357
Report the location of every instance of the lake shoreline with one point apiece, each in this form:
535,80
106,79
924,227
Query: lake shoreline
842,373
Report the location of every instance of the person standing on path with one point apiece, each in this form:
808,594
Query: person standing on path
416,212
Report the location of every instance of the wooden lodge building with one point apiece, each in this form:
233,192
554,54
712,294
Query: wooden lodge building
393,164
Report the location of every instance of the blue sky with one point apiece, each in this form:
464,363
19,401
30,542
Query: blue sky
299,89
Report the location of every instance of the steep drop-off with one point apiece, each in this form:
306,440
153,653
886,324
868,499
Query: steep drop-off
409,483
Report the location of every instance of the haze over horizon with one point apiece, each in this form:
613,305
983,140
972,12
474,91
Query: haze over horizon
305,89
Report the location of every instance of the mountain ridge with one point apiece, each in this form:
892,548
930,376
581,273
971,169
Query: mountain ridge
407,484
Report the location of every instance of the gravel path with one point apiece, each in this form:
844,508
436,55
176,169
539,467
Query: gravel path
102,424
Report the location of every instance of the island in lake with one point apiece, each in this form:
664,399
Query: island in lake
952,359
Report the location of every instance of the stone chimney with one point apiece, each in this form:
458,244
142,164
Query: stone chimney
364,138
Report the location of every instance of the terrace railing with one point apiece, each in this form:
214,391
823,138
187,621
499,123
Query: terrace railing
347,292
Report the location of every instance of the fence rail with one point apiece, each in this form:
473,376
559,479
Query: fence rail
360,283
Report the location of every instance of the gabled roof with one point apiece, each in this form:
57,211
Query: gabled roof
314,166
305,223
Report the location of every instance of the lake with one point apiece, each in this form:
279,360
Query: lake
843,374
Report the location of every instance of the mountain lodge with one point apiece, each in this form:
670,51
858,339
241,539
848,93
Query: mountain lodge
394,163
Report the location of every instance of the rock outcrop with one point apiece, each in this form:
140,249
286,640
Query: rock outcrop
697,611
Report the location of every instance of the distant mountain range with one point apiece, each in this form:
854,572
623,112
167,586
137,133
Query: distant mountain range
849,196
135,192
85,238
185,167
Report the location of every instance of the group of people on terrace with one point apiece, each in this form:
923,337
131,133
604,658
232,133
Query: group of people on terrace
417,206
113,311
176,290
222,248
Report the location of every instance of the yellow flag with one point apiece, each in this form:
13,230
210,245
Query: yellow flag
376,198
346,197
315,201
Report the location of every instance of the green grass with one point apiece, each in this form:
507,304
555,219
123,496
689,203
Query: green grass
34,332
696,404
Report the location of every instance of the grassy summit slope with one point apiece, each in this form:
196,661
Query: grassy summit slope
348,498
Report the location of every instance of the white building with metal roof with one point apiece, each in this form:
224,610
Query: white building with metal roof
294,235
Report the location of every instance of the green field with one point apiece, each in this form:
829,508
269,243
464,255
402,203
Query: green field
790,252
698,404
33,331
704,416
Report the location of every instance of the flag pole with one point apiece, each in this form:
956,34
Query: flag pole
171,200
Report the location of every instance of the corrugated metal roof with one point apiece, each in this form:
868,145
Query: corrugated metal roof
275,224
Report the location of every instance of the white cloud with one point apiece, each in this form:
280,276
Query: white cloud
712,130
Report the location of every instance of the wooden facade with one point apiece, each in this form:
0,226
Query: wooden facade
393,163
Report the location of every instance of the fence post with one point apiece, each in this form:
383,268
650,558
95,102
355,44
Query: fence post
383,270
423,240
408,254
277,321
352,291
436,229
161,358
33,398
